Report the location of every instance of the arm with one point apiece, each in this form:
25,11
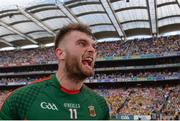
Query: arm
7,111
104,107
107,116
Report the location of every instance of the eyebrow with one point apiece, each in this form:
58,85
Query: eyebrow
85,40
81,40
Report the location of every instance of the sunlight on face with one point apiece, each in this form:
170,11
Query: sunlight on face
80,54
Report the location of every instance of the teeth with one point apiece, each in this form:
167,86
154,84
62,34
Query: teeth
89,59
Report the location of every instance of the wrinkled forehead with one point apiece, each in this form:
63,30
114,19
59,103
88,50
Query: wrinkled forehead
78,35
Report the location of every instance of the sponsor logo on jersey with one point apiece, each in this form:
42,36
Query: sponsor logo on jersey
49,106
71,105
92,111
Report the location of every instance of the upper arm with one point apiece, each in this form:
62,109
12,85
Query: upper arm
107,116
6,111
104,107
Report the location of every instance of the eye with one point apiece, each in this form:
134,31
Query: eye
82,44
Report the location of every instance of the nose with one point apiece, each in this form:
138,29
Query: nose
91,49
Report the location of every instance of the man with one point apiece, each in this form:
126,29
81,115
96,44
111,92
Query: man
62,96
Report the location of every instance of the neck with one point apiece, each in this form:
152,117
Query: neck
68,82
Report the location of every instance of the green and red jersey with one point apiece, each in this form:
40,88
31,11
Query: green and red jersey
47,100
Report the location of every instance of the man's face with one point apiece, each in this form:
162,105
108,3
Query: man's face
80,54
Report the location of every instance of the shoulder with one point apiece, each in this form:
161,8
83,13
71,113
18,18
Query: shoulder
33,88
20,100
26,94
89,91
92,93
100,101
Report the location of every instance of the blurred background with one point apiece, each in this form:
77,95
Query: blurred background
138,61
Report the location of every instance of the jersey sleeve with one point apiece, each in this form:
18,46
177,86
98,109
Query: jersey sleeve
7,110
104,107
18,103
102,103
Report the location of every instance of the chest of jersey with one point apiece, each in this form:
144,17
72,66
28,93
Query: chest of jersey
54,104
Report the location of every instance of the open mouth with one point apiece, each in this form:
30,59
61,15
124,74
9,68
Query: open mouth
88,62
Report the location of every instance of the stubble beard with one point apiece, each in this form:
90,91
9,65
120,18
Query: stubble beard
75,70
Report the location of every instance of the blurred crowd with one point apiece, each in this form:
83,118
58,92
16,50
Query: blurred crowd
105,49
30,56
105,77
133,100
3,95
173,98
21,80
137,100
17,80
143,100
139,47
118,76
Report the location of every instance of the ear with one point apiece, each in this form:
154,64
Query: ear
60,53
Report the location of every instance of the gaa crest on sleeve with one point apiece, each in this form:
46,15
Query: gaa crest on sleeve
92,111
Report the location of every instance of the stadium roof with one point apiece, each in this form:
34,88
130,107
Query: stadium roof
38,21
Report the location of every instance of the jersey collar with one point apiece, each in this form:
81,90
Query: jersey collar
54,78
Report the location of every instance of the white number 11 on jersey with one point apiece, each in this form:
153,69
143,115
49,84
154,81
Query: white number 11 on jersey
73,113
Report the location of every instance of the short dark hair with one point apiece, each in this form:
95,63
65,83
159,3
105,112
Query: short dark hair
72,27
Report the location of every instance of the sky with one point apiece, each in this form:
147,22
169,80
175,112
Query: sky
22,3
15,2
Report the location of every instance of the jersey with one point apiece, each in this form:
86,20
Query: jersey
44,100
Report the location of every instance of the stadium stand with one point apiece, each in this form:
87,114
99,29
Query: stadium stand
105,49
143,100
129,101
139,77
